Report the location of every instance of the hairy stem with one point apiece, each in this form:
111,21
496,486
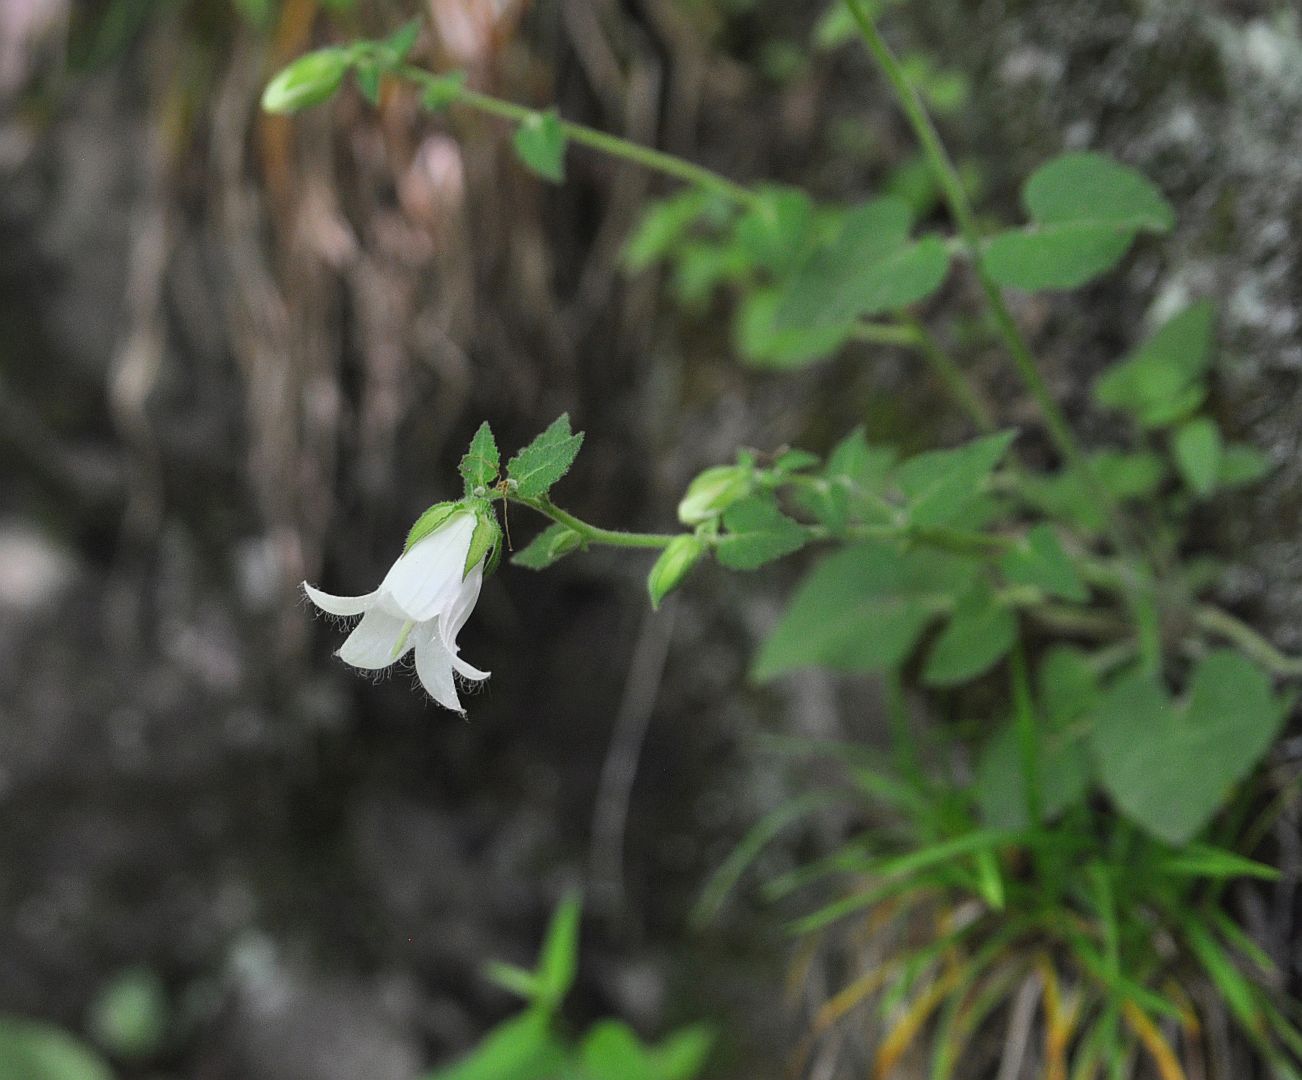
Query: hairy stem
592,534
1221,623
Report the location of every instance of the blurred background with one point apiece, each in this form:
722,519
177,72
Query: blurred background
238,351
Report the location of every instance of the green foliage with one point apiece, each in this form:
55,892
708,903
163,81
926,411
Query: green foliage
871,267
482,461
941,484
548,547
534,1046
1086,210
756,532
485,539
1169,766
36,1051
1196,446
1162,381
545,460
441,91
431,520
540,144
1039,560
674,564
980,632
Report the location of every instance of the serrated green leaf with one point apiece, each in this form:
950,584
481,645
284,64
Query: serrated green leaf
441,92
545,460
756,532
1240,465
1086,210
481,462
31,1050
762,344
1040,560
559,959
1170,767
548,547
1162,381
540,142
940,483
863,609
1196,447
309,80
871,267
980,631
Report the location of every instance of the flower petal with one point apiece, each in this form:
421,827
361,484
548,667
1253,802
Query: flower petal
455,615
339,605
376,641
434,668
425,580
466,671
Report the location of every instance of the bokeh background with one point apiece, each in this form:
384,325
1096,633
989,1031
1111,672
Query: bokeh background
237,351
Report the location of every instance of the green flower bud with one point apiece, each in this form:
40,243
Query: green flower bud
674,564
309,80
711,493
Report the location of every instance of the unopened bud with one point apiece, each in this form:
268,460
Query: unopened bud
712,492
674,564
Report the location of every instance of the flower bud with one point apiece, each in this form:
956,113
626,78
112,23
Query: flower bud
712,492
674,564
309,80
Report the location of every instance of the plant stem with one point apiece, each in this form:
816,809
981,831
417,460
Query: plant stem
949,373
592,534
656,160
1221,623
946,175
1027,737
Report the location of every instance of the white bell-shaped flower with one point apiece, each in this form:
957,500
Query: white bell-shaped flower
420,606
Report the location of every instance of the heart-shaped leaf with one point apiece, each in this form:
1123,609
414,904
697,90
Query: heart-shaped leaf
1171,766
540,143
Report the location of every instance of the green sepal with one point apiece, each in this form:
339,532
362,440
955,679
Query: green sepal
482,461
435,516
486,537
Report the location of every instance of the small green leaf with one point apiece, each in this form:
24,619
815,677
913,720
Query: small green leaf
545,460
398,45
854,484
522,1048
31,1050
775,231
863,609
1240,465
548,547
762,344
129,1017
1039,560
540,144
369,73
663,226
441,92
1064,774
1169,767
559,959
870,268
1067,685
308,81
480,465
682,1055
1086,210
514,979
434,517
612,1051
1162,381
980,631
757,532
940,484
1196,446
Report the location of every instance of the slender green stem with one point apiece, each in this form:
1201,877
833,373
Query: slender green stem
656,160
1221,623
592,534
1028,740
904,746
874,333
947,370
960,206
